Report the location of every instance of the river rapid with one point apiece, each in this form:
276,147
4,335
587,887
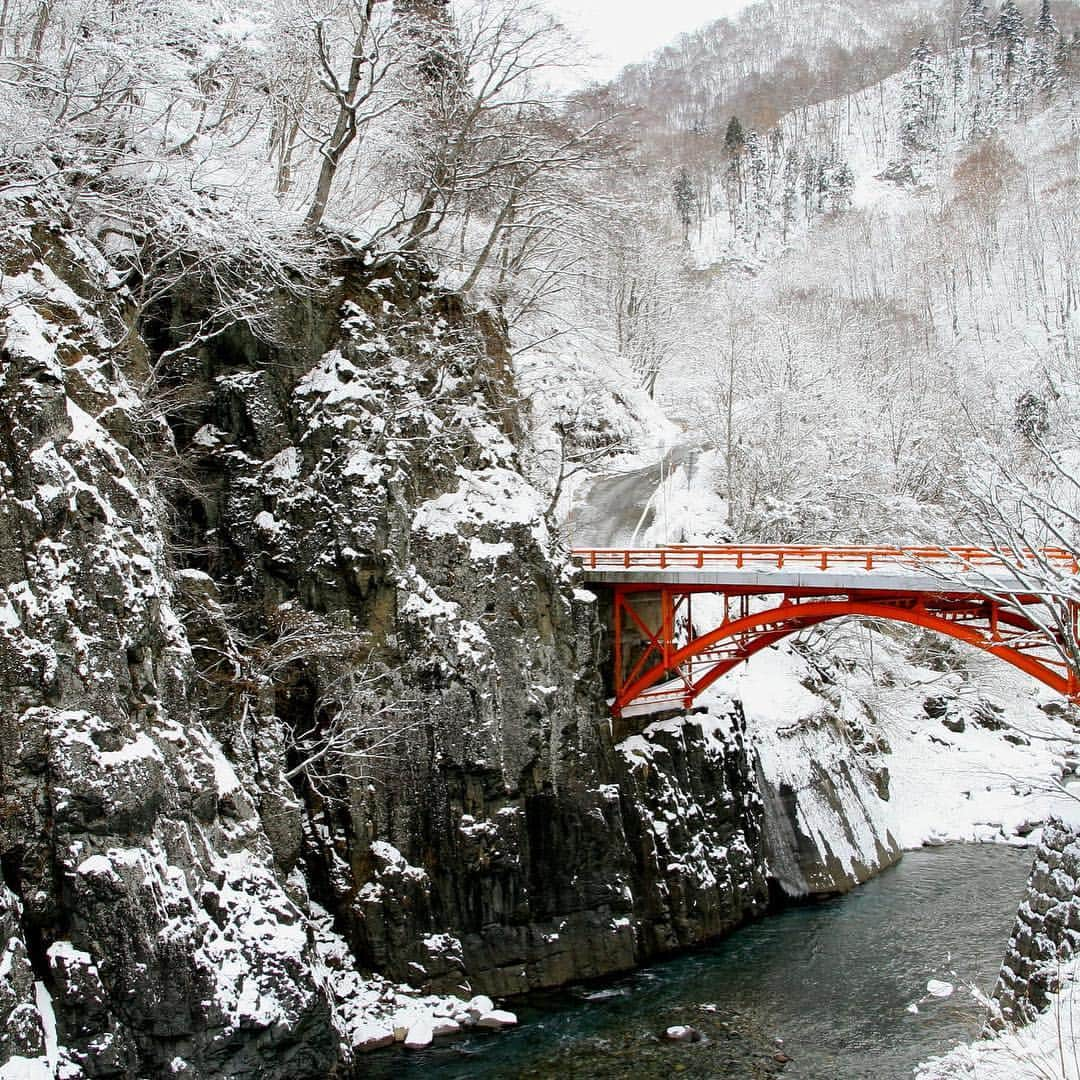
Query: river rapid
829,985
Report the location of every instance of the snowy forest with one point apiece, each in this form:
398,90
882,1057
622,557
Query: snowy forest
331,333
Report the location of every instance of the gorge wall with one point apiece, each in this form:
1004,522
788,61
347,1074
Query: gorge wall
295,687
1041,955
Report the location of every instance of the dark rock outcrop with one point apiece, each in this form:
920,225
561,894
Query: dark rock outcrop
1046,935
294,685
297,692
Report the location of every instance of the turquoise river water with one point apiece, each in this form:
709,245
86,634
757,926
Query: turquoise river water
832,980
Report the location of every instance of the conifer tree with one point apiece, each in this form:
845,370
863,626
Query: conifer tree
759,210
1010,33
1065,52
843,187
428,25
791,190
735,144
921,100
1045,25
1010,24
685,200
975,24
734,139
1044,55
811,171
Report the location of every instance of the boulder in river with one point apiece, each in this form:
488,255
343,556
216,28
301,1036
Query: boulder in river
497,1018
682,1033
420,1034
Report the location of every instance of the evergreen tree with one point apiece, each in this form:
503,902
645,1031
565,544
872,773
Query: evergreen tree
975,24
755,153
811,171
428,24
1045,25
791,190
1010,24
735,144
1010,33
1064,53
842,187
1032,416
686,200
1044,54
734,139
921,99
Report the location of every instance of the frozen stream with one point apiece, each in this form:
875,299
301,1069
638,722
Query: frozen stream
834,980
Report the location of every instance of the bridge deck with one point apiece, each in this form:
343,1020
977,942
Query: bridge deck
663,659
840,569
773,580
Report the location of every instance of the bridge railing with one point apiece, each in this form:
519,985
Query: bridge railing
781,556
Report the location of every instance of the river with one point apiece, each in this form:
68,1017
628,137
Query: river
833,980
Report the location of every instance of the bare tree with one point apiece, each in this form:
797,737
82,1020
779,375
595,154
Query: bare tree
1032,533
355,92
357,713
575,455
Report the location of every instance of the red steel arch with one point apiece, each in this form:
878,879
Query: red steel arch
745,636
653,669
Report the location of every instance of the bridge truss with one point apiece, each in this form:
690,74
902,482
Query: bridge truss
672,660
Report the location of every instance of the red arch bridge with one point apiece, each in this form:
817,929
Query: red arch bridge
663,659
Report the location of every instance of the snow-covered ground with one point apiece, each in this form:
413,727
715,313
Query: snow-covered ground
1048,1049
994,781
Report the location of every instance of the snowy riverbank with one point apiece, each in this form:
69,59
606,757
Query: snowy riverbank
1043,1050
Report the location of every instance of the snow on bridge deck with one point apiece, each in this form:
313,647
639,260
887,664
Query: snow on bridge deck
820,569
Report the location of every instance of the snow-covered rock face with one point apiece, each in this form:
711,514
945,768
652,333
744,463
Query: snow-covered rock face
699,825
822,777
147,919
1041,957
345,528
377,481
138,883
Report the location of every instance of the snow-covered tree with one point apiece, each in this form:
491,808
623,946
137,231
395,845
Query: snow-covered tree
975,24
1021,519
791,191
357,715
734,138
1045,25
1009,33
685,199
1043,53
353,60
758,176
921,101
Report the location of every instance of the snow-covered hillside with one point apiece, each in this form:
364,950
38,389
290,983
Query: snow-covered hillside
874,299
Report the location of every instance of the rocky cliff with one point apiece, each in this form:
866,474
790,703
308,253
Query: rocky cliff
1041,955
295,688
